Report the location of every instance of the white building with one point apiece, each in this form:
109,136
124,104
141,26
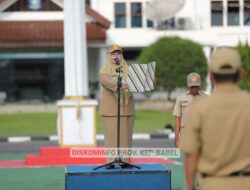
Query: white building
208,22
32,48
31,38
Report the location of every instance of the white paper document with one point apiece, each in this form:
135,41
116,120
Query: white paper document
141,77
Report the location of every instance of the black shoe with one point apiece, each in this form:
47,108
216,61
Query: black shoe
109,167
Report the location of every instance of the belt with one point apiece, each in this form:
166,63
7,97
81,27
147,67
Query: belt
234,174
240,174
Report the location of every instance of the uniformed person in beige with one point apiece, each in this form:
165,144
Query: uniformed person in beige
216,141
183,101
108,102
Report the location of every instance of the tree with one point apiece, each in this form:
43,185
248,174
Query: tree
245,56
175,58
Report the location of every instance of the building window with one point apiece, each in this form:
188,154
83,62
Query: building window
150,23
233,15
247,12
33,5
120,15
136,15
216,13
88,2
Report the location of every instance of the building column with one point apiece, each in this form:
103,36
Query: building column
241,12
75,52
76,112
207,51
128,14
225,13
102,54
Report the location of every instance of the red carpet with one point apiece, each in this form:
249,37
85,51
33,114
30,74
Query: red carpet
57,156
12,163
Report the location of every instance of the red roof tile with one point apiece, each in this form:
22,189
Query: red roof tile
18,34
27,34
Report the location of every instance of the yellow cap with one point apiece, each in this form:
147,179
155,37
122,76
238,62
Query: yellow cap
115,47
225,60
193,79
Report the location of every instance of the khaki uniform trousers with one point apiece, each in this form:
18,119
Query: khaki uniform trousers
226,183
110,133
198,175
182,132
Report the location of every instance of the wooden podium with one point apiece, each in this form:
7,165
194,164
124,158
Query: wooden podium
149,177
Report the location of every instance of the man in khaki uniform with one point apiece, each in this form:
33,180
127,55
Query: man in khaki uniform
183,102
216,141
108,102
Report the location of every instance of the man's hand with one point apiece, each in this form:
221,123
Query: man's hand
190,169
124,86
177,131
154,81
177,142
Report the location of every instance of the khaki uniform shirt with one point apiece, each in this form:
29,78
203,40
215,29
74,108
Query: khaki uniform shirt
108,101
218,130
182,104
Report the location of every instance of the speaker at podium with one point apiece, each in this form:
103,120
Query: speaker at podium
149,177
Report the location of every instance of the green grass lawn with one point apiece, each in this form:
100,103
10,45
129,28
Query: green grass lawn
53,178
38,124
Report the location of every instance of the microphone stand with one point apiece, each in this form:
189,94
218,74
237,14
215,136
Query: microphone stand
118,161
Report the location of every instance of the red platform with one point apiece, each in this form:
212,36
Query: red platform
57,156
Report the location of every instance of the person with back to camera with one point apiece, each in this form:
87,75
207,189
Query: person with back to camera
216,141
108,102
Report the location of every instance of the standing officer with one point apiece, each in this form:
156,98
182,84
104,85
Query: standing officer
108,103
216,141
183,101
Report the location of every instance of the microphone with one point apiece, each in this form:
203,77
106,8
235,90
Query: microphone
117,61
